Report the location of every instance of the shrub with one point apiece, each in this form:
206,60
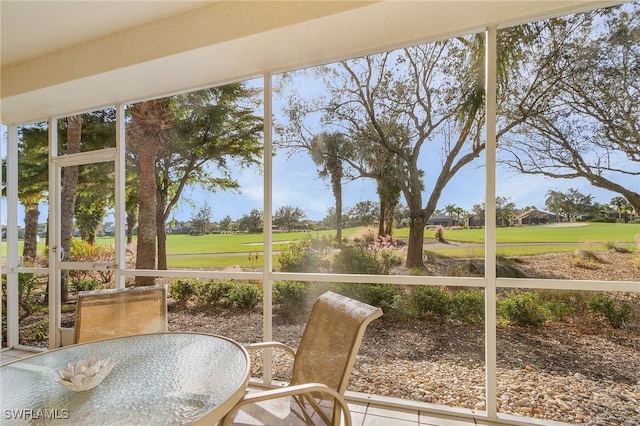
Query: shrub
356,260
615,311
291,296
584,259
245,296
561,303
383,296
557,309
41,331
429,302
467,306
304,256
82,251
183,289
522,308
389,259
616,248
214,292
505,268
27,283
86,284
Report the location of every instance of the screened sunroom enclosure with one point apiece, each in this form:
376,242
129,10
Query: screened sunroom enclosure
281,52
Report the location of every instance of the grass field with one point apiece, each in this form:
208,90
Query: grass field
190,252
569,233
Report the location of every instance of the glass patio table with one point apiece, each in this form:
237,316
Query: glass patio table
163,378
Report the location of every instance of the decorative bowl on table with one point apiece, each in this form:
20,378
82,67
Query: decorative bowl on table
85,374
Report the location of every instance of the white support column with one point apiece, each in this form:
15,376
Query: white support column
54,238
490,225
120,180
2,273
267,285
13,312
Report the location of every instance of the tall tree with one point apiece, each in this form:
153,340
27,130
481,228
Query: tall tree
96,189
211,128
621,205
94,196
147,133
419,88
225,223
364,212
589,128
201,220
287,216
33,180
435,92
325,152
384,166
68,196
505,210
570,204
252,222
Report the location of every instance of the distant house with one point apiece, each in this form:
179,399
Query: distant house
534,217
616,216
442,220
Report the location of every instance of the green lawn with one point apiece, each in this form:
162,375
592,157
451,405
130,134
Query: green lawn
524,240
584,232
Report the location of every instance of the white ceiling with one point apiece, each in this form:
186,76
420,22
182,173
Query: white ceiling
64,57
33,28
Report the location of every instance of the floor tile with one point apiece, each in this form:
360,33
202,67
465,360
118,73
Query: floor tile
400,414
387,421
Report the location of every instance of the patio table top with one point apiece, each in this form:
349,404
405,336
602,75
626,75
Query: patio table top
161,378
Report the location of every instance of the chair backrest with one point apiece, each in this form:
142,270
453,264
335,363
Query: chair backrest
331,340
101,314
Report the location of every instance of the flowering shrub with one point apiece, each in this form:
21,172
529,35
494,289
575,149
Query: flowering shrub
307,255
82,251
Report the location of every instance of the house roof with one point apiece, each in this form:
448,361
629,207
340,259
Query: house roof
532,213
66,57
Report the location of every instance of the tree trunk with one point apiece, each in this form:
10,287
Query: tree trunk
416,240
161,231
68,197
337,192
149,120
339,218
383,214
146,250
388,217
131,223
30,248
633,198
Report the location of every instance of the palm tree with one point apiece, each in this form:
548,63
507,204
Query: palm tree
149,122
621,205
68,197
325,152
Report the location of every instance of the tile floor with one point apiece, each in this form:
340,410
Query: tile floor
362,413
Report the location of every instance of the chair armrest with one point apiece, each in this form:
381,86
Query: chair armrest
271,345
276,345
302,389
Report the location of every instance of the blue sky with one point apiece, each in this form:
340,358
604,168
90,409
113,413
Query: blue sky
296,183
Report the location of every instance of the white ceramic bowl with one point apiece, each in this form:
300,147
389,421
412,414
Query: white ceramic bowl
85,374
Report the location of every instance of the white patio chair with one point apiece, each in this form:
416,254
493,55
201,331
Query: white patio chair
321,368
101,314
